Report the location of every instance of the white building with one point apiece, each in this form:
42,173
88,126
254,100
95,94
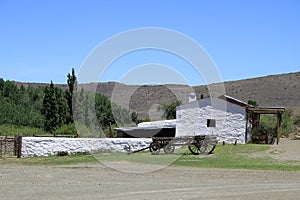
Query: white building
224,117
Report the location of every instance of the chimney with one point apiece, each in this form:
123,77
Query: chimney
192,97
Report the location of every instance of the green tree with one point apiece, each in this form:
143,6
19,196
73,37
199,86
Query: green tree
2,82
50,109
62,106
134,117
297,119
17,107
287,121
169,109
253,103
78,108
103,110
54,108
72,84
121,116
87,119
268,121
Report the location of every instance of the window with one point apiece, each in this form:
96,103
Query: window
211,123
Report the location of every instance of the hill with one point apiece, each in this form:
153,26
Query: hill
273,90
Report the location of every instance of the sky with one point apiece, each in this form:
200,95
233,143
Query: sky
42,41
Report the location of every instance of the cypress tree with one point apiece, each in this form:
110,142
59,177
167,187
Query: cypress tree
87,120
72,84
55,108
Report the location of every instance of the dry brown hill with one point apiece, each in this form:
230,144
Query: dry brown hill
273,90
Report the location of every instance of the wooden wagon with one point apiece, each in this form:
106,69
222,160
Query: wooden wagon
199,144
164,138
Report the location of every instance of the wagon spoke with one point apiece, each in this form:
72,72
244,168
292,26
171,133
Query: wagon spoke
194,149
208,145
168,149
203,148
210,148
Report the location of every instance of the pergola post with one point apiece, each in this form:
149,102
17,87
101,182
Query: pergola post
279,126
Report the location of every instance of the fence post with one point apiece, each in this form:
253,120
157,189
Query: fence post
19,144
0,148
15,144
5,146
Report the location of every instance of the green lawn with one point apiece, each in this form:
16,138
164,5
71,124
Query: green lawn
50,160
22,130
228,156
237,157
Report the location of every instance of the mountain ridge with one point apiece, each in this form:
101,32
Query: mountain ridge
271,90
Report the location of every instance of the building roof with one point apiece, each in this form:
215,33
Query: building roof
235,101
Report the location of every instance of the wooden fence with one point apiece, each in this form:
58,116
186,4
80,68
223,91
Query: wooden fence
11,146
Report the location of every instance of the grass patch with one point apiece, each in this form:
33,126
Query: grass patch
50,160
228,157
6,129
237,157
141,157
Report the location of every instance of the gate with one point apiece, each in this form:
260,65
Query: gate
11,146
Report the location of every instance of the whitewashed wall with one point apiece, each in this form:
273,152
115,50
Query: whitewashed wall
230,120
44,146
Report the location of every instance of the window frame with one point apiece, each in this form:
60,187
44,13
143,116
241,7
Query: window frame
211,123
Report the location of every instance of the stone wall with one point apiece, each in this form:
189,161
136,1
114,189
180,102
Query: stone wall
44,146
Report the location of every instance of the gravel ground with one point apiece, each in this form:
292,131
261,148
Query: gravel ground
95,181
286,150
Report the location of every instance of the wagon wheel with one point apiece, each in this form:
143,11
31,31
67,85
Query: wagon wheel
195,146
207,147
202,148
168,149
194,149
154,148
271,138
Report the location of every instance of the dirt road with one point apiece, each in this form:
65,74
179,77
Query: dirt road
99,182
286,150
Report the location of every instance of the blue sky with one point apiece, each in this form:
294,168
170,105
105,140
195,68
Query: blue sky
42,40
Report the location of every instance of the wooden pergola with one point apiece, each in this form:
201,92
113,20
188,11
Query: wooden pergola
254,115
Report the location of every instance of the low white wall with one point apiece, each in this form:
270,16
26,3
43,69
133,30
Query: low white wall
44,146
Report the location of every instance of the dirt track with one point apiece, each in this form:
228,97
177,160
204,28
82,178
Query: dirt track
96,181
99,182
286,150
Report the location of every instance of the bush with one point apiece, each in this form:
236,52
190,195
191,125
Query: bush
287,122
69,129
268,121
297,119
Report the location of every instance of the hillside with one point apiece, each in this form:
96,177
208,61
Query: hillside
273,90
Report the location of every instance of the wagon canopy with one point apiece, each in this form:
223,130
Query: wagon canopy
146,132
